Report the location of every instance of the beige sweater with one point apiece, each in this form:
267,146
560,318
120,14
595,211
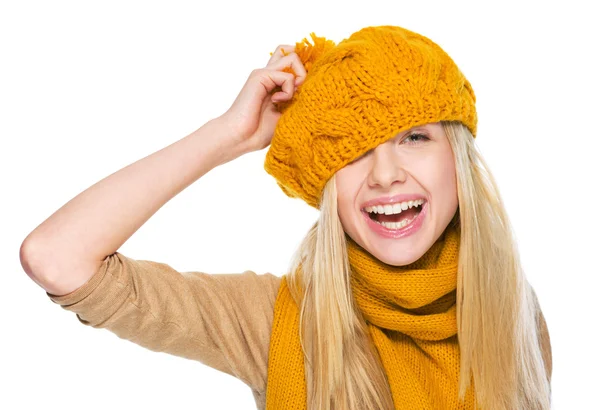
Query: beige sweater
221,320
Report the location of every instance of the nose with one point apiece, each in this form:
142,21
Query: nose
385,167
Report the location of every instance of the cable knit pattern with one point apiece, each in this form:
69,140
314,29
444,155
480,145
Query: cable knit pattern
411,315
359,93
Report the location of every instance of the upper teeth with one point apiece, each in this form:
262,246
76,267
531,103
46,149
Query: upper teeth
394,208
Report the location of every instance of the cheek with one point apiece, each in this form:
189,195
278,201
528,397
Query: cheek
446,181
346,194
437,174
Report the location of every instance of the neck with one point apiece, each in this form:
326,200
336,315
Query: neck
409,298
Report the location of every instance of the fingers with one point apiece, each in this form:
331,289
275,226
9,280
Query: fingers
274,78
291,60
272,75
285,56
280,51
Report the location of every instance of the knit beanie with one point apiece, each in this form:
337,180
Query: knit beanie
378,82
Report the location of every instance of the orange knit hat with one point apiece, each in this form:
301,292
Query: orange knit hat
357,94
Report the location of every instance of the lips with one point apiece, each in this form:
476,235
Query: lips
405,214
408,230
386,200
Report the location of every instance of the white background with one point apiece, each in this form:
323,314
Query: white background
90,87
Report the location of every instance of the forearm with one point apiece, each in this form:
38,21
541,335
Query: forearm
99,220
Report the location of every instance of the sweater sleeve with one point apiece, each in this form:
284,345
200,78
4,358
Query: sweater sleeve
221,320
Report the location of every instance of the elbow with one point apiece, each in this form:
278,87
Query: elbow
27,258
55,277
33,261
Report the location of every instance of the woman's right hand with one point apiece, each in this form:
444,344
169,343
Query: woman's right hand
252,116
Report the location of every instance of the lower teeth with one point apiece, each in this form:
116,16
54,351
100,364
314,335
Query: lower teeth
397,225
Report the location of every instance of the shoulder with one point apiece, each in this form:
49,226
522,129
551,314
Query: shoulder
250,288
249,300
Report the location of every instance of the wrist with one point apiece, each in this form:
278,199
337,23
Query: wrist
230,146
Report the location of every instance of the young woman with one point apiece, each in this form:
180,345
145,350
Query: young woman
406,293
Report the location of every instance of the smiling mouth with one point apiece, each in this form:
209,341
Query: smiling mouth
394,217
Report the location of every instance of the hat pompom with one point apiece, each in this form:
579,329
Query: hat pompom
309,53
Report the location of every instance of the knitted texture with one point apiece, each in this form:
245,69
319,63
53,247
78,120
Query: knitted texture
357,94
411,316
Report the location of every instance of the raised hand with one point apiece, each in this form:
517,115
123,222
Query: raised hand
252,116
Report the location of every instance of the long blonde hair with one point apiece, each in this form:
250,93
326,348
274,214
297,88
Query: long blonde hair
496,306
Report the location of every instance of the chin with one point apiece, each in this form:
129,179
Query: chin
397,261
397,257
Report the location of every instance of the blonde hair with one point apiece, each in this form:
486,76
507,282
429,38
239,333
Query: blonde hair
496,307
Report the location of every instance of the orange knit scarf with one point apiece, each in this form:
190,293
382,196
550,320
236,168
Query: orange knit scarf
411,315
